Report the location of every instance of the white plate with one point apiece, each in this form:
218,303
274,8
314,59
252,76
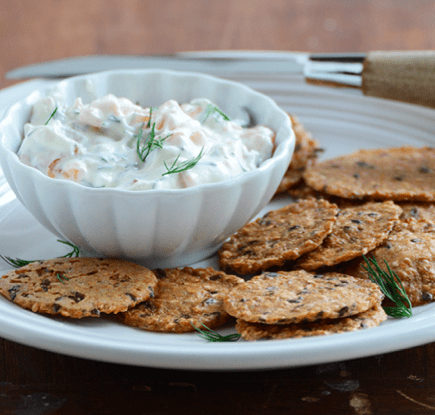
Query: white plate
343,121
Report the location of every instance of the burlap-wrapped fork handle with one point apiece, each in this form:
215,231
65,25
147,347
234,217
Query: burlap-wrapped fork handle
401,75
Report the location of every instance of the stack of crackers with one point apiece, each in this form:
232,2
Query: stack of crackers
303,242
295,272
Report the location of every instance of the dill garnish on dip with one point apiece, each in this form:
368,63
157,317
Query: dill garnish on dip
113,142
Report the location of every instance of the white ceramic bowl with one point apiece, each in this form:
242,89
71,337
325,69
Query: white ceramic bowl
161,227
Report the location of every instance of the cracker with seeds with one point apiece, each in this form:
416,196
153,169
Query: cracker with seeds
410,252
184,297
364,320
304,155
401,173
78,287
299,296
281,235
358,230
302,191
418,210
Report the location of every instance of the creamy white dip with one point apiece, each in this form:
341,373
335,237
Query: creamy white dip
113,142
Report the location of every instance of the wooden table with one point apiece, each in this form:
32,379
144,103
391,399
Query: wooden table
38,382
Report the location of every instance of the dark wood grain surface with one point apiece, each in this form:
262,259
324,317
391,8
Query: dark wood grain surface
39,382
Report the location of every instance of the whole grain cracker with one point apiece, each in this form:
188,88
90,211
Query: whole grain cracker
367,319
302,191
358,230
410,252
78,287
401,173
299,296
184,297
305,154
281,235
418,210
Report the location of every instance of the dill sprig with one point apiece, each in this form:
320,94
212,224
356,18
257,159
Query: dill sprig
212,336
184,165
149,119
211,109
18,262
51,116
62,278
143,150
75,250
391,287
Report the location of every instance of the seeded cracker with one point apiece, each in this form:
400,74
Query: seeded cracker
78,287
304,155
367,319
416,210
358,230
299,296
184,297
302,191
410,252
281,235
403,173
